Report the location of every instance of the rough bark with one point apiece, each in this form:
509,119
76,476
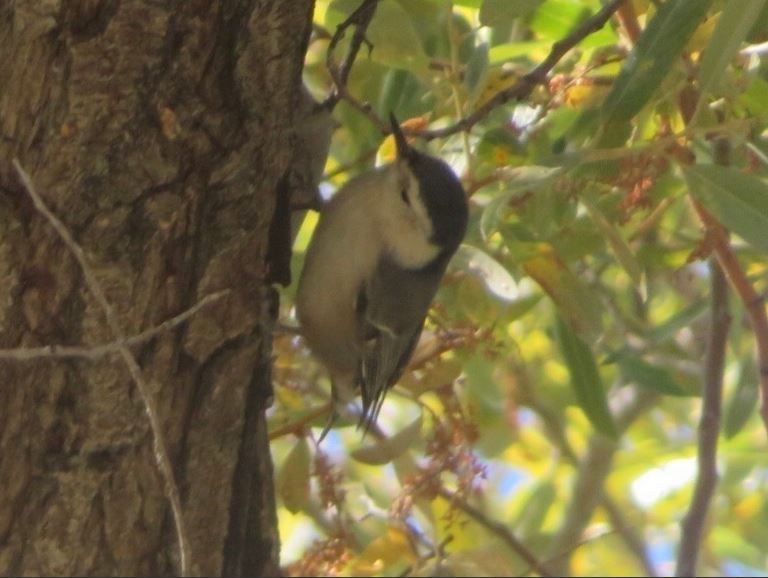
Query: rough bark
157,131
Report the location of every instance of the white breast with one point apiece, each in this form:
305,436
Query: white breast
344,250
367,216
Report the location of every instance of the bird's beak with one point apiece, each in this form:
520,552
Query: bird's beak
404,150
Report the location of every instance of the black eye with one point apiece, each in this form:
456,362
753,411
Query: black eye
404,196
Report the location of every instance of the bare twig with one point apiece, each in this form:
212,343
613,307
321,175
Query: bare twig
160,446
360,19
480,517
99,351
497,528
519,91
692,526
588,488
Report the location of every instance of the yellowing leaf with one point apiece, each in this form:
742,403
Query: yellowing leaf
575,301
497,79
393,547
293,479
437,375
388,150
703,33
388,449
585,94
290,398
749,507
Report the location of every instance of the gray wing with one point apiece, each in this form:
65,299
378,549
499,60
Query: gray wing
391,309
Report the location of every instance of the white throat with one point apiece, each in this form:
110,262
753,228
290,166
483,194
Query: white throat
406,226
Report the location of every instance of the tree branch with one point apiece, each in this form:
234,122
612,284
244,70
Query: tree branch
717,235
753,303
593,470
632,538
360,19
692,526
519,91
99,351
496,528
553,426
160,446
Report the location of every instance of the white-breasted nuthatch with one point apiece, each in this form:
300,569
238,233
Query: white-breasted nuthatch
373,265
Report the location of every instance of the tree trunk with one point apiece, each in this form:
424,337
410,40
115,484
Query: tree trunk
157,132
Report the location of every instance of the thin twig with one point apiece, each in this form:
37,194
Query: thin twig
497,528
160,446
481,518
360,19
519,91
692,526
99,351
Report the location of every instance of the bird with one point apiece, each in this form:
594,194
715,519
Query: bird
372,268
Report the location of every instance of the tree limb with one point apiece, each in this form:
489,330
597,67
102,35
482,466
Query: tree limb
692,526
592,472
99,351
753,303
496,528
623,528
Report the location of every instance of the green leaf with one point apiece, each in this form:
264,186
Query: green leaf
585,379
656,52
540,500
522,180
617,243
492,273
556,18
669,328
504,52
755,98
395,39
729,543
739,201
390,448
293,479
504,12
465,3
575,301
735,22
477,71
741,405
655,378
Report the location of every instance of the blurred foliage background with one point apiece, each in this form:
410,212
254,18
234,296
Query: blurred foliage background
549,421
